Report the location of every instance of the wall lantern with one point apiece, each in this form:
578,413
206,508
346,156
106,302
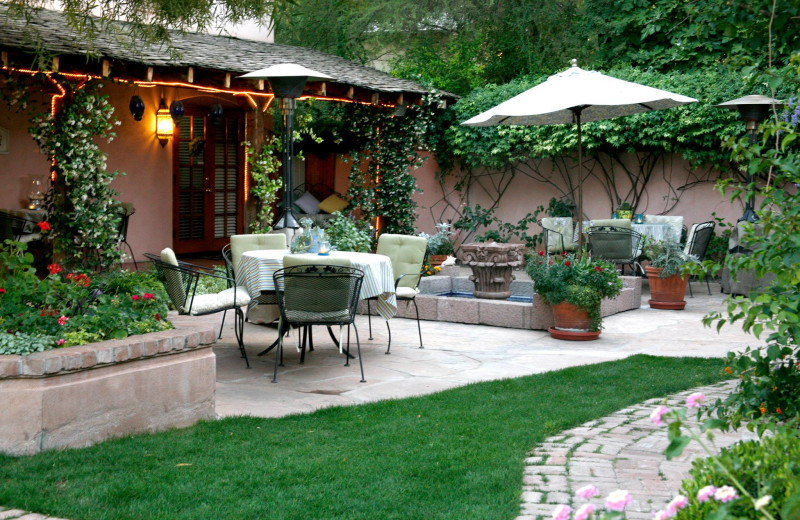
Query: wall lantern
176,110
753,110
164,124
287,81
136,107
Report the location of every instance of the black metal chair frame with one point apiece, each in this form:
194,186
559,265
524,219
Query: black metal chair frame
324,276
413,300
546,233
190,276
697,247
636,242
17,225
122,232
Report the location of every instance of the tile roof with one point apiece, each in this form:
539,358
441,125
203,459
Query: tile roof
205,51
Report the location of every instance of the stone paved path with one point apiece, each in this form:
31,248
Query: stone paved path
18,514
622,451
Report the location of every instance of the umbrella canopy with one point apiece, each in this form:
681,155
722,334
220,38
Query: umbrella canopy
577,95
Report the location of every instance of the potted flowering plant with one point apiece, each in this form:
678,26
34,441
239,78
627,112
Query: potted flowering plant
574,286
665,274
440,244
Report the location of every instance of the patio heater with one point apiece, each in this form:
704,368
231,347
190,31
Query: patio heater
752,110
287,82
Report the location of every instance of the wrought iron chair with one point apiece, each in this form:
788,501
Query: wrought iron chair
181,279
12,227
697,245
407,253
126,209
318,295
232,254
616,245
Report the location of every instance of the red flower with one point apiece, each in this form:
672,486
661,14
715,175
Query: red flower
2,290
149,296
63,320
43,226
54,268
69,276
158,317
541,253
598,269
135,297
567,263
42,313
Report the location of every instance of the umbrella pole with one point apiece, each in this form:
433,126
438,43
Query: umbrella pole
577,112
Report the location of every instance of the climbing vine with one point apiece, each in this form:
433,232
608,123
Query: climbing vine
84,221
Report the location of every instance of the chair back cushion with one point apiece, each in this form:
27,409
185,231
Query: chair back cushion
407,253
244,243
621,223
675,222
173,279
314,259
560,234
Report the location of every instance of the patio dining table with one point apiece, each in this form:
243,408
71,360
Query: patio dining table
658,232
257,267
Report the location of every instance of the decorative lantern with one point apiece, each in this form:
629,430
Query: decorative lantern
164,124
136,107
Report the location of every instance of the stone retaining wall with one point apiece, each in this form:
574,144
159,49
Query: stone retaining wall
502,313
77,396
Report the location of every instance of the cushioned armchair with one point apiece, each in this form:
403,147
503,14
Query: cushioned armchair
559,234
615,245
407,254
181,279
675,222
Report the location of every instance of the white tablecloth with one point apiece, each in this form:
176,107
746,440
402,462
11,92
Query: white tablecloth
256,269
656,232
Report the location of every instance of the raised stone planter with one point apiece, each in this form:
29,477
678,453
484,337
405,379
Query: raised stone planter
492,266
77,396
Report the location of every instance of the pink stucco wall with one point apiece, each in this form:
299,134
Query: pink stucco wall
439,202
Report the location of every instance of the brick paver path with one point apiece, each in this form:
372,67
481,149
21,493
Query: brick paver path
622,451
19,514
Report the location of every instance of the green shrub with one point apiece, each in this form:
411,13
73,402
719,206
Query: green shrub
770,466
346,234
20,343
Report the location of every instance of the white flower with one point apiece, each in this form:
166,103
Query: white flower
762,502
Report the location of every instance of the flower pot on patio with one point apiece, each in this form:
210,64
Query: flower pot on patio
572,323
437,259
666,293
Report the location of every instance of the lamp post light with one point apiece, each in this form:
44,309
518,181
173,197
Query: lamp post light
752,110
287,81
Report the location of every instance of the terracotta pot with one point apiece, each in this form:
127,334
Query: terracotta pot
437,259
666,293
572,323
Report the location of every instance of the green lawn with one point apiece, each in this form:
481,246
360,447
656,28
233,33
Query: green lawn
457,454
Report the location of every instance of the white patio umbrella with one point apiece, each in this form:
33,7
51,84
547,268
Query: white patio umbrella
574,96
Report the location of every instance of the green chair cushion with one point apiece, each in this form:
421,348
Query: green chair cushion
407,253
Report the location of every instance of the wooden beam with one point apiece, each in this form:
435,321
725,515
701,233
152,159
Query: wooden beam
261,84
350,92
227,80
4,58
149,73
190,75
400,99
375,98
106,68
55,63
323,89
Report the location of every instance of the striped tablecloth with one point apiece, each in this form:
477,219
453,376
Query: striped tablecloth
256,269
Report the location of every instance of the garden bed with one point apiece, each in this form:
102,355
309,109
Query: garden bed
77,396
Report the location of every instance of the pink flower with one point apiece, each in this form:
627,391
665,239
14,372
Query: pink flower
679,502
584,512
135,297
561,512
617,500
61,341
587,492
726,494
658,413
63,320
662,515
694,400
706,493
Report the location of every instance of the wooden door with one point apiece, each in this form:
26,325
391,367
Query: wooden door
208,195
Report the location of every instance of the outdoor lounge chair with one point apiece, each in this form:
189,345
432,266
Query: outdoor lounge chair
559,234
317,294
181,279
407,253
697,245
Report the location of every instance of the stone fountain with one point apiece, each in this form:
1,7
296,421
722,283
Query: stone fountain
491,265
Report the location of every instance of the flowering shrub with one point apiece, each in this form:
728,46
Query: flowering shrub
83,221
578,280
67,308
749,480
